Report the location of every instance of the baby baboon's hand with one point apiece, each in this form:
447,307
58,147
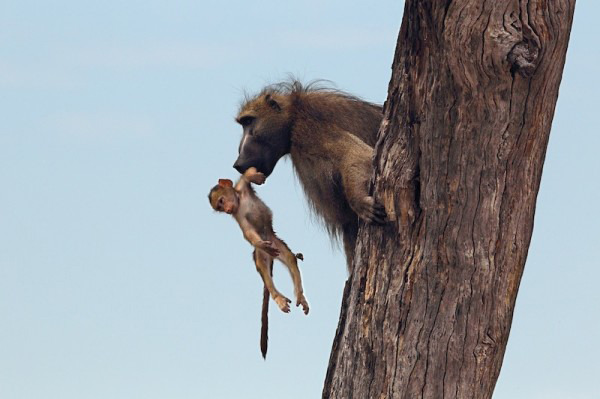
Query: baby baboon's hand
371,211
268,247
301,300
258,178
254,176
283,303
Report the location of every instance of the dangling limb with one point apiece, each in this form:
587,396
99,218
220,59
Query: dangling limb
263,264
252,236
288,258
250,176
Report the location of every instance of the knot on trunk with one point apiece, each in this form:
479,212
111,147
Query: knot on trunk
523,58
484,349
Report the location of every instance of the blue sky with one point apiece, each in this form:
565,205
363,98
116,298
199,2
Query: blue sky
116,278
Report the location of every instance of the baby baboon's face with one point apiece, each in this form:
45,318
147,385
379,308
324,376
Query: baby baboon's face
224,198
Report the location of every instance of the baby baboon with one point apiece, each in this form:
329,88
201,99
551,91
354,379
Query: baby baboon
256,221
330,136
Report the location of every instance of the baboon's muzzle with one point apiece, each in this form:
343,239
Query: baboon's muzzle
256,153
263,162
240,167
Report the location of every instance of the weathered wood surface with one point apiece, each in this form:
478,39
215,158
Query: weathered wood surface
428,309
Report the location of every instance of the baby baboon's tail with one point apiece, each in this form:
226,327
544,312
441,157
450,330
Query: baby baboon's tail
264,323
264,320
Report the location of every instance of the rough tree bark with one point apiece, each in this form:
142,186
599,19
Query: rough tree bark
428,308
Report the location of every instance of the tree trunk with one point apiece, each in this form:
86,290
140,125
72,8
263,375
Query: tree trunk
428,308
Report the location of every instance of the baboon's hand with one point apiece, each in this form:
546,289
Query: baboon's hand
258,178
254,176
268,247
283,303
371,211
301,300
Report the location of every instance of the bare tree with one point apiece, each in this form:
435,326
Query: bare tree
428,308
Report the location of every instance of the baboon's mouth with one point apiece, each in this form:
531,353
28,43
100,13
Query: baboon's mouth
261,169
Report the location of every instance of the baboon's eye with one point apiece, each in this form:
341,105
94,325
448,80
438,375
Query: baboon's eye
245,120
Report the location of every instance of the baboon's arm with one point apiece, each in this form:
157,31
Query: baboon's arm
364,205
250,176
355,172
250,233
252,236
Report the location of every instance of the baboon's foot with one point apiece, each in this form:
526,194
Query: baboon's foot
301,300
283,303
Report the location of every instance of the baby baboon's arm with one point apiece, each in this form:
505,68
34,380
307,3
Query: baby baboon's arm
252,236
251,175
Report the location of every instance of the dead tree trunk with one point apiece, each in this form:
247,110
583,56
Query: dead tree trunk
428,309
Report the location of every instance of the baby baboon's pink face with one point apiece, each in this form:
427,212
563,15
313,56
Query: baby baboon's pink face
225,200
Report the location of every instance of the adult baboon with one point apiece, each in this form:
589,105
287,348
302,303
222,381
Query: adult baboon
330,136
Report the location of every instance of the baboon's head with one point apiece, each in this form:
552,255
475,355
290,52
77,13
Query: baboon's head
266,123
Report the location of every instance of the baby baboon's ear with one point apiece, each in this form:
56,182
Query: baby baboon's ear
225,183
272,103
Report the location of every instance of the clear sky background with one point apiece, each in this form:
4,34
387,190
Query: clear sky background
118,281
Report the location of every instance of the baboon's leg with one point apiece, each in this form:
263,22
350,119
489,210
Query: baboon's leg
263,263
349,233
288,258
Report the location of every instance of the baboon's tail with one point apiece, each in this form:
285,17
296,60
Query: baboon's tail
264,326
298,255
264,320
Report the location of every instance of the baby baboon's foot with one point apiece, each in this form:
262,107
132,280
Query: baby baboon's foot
283,303
371,211
301,300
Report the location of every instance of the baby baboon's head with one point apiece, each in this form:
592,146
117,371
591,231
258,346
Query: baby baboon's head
223,197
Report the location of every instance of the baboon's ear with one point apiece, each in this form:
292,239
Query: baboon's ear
225,183
272,103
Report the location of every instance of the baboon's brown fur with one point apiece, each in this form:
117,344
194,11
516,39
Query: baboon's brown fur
330,136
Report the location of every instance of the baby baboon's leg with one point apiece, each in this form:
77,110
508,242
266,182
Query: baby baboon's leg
288,258
263,263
